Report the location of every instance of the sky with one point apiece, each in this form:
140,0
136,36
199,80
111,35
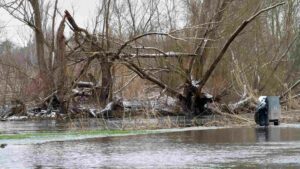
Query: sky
19,33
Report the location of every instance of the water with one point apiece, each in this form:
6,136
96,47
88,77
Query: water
244,147
10,127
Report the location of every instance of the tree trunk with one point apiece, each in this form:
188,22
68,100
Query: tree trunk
194,102
62,67
187,101
39,42
106,82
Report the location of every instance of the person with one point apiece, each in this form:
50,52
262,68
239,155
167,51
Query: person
261,113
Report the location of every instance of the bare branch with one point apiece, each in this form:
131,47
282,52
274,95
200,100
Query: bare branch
152,79
289,89
141,36
229,41
278,62
126,84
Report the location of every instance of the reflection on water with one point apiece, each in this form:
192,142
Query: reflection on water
265,134
272,147
277,134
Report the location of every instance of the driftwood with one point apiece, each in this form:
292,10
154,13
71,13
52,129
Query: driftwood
245,104
16,107
5,112
110,108
82,84
161,106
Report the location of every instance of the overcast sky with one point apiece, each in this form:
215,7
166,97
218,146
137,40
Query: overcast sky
19,33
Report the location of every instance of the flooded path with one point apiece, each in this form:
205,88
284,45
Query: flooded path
245,147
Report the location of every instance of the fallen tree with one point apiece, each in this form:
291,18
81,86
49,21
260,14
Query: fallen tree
192,98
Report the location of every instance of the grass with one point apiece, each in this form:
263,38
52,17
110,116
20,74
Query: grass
70,133
13,136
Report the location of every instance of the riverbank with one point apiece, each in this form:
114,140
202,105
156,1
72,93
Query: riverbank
145,121
144,115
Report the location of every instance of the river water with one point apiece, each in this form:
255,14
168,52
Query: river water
239,147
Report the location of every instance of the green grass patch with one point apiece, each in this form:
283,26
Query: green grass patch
13,136
48,134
